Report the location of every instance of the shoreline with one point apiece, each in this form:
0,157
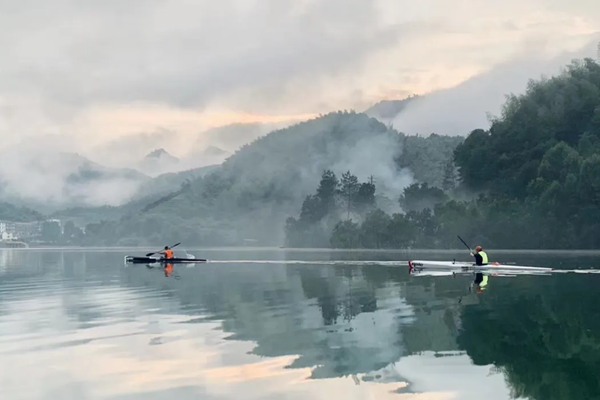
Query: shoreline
296,250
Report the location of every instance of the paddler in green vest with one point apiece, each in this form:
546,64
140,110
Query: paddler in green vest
481,257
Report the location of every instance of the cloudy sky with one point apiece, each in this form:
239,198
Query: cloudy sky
96,70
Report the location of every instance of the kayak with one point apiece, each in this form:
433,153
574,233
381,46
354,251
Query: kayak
153,260
419,265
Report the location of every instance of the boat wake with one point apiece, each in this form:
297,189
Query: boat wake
431,270
314,262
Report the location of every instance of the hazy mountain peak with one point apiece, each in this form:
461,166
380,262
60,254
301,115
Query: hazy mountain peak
160,153
158,161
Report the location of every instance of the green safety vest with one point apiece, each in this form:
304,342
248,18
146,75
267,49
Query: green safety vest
484,257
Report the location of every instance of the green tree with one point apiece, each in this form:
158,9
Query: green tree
400,232
417,197
312,209
345,235
365,198
326,192
72,234
349,189
51,231
449,181
374,230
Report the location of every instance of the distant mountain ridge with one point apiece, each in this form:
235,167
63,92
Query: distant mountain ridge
158,162
161,153
387,110
50,180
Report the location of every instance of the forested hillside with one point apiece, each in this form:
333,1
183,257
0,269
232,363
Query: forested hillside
10,212
252,194
535,175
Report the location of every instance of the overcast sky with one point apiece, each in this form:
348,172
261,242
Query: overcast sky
100,69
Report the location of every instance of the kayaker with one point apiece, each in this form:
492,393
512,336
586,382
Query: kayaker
168,252
481,257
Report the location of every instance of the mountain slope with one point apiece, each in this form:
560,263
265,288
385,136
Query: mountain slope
172,181
256,189
387,110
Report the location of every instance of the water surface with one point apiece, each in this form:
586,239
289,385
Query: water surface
293,325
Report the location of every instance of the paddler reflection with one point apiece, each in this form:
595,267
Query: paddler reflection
168,270
480,283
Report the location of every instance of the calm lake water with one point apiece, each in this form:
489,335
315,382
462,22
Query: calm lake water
78,325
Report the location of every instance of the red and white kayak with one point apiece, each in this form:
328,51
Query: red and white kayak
420,265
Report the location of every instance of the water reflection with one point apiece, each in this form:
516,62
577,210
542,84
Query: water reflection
82,326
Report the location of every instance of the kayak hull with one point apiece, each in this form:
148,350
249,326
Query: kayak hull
420,265
154,260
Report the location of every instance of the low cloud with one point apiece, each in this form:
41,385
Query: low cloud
461,109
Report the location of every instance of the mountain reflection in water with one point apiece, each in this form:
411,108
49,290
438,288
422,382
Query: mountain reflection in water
81,325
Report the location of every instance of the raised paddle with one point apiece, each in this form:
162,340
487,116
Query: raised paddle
150,254
468,247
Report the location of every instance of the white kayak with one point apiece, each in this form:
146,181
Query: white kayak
420,265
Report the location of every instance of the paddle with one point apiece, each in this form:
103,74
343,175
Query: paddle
150,254
468,247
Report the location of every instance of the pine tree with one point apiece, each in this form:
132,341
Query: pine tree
349,188
449,181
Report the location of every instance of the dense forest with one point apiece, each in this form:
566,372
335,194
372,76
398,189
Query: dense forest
535,173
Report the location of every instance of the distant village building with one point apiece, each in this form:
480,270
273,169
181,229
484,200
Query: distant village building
6,236
22,230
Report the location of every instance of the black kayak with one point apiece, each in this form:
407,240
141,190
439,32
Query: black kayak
154,260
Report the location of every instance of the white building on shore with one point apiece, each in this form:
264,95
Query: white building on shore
19,230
